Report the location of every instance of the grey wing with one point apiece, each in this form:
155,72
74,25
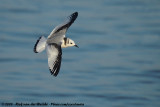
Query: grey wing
54,53
61,29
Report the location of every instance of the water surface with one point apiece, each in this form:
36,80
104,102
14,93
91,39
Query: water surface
117,64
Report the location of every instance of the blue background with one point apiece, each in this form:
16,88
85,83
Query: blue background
117,64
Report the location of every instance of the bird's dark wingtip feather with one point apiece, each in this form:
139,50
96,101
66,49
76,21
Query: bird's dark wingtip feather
76,13
72,18
55,75
52,73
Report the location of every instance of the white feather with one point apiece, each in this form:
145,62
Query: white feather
40,45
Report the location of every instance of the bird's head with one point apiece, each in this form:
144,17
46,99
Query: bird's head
71,43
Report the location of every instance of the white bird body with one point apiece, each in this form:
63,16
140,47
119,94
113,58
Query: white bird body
53,44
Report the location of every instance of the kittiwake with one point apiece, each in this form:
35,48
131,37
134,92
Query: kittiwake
53,44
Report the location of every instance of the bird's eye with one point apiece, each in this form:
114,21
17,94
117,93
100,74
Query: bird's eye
71,43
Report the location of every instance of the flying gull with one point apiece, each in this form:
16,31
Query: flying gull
53,44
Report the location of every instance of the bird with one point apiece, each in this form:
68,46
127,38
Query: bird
54,43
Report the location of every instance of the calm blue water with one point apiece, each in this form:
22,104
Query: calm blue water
117,64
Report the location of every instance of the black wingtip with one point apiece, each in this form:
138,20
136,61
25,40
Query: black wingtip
52,73
55,75
73,17
76,13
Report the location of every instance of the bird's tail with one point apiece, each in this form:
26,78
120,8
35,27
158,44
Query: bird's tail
40,44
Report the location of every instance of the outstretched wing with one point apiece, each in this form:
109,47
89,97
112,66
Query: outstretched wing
61,29
54,53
